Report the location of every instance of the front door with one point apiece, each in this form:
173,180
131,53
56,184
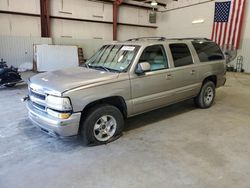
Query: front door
153,89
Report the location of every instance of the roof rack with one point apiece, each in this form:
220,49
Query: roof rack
148,38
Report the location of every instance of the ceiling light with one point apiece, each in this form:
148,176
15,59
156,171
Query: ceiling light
154,3
198,21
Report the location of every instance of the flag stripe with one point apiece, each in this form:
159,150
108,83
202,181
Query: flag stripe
225,34
219,33
216,32
231,24
241,22
236,22
212,37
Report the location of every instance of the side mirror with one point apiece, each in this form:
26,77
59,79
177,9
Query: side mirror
142,68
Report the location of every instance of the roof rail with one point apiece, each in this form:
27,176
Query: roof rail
148,38
194,38
163,38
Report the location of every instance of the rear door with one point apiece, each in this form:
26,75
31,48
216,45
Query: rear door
185,71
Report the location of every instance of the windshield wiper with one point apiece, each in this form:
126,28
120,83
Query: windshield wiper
99,66
103,67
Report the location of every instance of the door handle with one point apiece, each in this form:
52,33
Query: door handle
192,72
169,76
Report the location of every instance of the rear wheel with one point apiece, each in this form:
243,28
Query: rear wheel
102,124
206,96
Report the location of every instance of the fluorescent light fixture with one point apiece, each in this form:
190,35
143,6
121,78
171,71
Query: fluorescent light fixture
198,21
154,3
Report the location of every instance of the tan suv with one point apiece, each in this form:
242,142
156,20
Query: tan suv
121,80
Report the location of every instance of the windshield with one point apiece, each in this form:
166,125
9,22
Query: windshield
115,58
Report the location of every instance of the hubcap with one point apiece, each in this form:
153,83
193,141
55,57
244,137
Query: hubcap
105,128
209,95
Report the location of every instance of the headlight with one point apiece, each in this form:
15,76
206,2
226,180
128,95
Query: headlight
58,103
60,115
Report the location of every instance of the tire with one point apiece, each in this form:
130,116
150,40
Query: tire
206,96
101,125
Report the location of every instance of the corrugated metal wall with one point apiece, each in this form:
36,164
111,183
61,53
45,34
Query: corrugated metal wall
18,50
245,52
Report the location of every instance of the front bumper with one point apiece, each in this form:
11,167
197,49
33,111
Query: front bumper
52,125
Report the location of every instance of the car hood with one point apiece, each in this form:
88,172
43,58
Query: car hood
63,80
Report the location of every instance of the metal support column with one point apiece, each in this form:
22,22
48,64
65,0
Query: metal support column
45,18
116,5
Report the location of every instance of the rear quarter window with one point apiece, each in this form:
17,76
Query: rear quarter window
208,51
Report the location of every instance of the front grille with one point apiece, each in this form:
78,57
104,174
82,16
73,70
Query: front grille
38,99
37,95
39,106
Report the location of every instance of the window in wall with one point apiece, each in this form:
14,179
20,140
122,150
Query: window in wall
208,51
181,54
155,56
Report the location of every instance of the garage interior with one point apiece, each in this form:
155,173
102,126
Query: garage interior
174,146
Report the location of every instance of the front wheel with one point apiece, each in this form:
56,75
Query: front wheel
206,96
102,124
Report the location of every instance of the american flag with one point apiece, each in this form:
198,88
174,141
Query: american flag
228,18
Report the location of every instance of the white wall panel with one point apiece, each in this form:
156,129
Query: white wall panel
81,9
182,3
5,24
89,46
25,26
16,25
245,41
4,4
144,17
81,30
27,6
133,15
108,12
178,23
128,15
127,32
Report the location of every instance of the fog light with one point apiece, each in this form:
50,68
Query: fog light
64,115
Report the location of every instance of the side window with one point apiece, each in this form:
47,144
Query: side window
181,54
208,51
155,56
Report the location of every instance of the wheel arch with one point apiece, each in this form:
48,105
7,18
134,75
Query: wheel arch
116,101
212,78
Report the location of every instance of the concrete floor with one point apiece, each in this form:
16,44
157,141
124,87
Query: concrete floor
177,146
